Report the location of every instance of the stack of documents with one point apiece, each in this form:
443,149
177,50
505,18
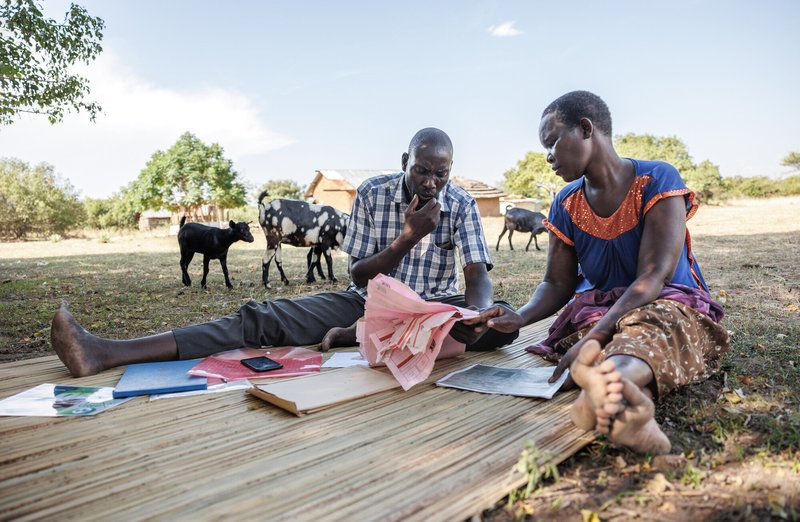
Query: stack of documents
405,332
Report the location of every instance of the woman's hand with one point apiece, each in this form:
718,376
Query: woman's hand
566,361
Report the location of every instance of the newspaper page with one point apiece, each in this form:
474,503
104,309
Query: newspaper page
521,382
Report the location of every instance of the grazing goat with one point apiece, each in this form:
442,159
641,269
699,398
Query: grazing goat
212,242
522,220
302,224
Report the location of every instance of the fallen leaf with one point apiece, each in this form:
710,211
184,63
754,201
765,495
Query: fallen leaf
668,462
733,397
658,484
589,516
619,462
668,507
746,380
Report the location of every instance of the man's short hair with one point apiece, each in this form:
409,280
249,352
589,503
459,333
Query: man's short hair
571,107
430,135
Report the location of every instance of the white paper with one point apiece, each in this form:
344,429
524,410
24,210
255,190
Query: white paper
345,360
241,384
520,382
53,400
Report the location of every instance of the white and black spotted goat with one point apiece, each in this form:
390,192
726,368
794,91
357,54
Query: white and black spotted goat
301,224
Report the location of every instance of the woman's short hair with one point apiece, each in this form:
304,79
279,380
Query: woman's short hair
571,107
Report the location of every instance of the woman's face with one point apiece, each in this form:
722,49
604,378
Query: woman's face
568,148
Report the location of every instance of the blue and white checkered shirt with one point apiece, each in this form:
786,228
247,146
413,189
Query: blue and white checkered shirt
430,267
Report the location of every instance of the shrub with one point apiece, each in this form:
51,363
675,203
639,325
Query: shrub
34,201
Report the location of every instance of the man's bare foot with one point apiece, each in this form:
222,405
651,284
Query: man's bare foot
635,426
594,379
337,337
77,348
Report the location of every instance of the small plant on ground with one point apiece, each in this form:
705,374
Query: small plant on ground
536,466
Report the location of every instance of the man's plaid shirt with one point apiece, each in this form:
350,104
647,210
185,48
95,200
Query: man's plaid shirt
430,267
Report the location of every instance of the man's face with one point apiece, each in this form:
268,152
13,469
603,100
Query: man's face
427,169
568,149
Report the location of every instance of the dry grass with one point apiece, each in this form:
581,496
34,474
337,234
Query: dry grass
738,452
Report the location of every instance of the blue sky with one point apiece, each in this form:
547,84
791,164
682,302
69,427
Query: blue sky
290,87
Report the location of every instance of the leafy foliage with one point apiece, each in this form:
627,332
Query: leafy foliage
792,160
33,201
36,54
533,178
282,188
190,174
649,147
536,466
118,211
703,178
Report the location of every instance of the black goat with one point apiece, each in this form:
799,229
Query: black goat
298,223
522,220
212,242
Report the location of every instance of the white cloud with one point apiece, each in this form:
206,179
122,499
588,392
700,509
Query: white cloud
504,29
138,118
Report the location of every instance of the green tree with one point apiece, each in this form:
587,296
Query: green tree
36,57
282,188
188,175
705,180
34,201
792,160
533,177
118,211
649,147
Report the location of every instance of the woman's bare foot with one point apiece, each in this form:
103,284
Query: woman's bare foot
635,426
614,404
594,379
337,337
78,349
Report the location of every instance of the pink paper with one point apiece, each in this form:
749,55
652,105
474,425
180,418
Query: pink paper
227,365
405,332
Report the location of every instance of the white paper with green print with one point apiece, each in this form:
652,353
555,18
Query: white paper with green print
55,400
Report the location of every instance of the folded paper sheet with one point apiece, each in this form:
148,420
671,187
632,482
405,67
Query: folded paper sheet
405,332
228,367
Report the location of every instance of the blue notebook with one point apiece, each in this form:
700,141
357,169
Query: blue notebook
159,377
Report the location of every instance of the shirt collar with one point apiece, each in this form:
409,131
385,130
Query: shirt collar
443,198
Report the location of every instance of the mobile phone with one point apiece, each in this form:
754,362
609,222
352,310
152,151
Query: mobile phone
261,364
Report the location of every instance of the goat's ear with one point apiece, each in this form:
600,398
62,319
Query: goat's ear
249,222
232,224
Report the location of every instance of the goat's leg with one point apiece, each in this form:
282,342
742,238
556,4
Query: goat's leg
535,242
206,260
533,236
186,258
279,264
318,263
310,261
223,262
268,255
329,261
510,233
497,248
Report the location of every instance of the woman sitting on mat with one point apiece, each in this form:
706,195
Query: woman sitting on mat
640,321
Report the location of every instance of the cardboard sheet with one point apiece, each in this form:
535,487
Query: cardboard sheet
323,390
